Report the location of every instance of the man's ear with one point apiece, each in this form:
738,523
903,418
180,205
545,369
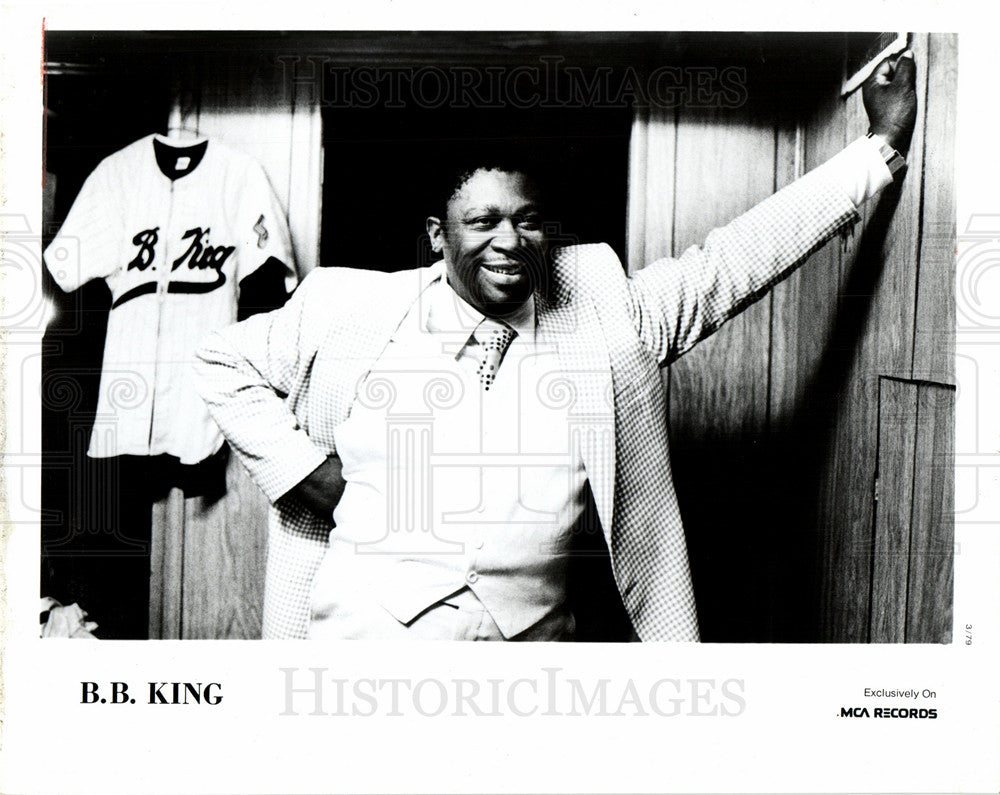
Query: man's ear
435,231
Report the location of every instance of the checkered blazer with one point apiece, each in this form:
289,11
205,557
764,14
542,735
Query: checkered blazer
278,384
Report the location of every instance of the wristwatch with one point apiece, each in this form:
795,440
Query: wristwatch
893,159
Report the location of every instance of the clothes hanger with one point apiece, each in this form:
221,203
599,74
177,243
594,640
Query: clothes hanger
182,128
182,136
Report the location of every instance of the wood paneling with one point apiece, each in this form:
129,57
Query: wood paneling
914,532
932,529
167,568
208,562
934,333
652,152
305,181
880,273
847,510
897,441
718,391
778,415
209,554
722,383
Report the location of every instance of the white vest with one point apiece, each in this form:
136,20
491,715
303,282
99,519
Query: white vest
451,486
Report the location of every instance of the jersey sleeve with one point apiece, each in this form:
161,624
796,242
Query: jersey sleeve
261,228
88,245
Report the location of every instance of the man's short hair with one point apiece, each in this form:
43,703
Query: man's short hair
511,157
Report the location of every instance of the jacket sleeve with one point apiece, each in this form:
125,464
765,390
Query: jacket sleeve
677,302
249,373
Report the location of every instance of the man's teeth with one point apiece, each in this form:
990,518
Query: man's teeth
505,269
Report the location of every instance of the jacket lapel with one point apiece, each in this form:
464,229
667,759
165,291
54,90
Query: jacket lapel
354,344
567,320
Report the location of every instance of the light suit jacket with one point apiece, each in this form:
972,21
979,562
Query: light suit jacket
278,384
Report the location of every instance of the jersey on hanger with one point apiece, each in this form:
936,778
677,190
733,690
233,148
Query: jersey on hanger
173,252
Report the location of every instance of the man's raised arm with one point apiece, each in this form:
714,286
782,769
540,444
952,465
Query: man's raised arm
677,302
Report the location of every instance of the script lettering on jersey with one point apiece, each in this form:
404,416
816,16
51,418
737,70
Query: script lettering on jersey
146,241
200,255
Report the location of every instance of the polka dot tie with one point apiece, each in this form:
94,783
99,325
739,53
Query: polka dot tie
494,337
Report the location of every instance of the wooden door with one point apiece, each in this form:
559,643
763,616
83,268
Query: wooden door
811,435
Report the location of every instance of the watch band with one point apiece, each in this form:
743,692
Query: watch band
893,159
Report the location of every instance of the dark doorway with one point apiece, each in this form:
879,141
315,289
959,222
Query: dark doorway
382,167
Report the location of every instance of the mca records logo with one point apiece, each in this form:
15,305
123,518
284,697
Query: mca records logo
892,712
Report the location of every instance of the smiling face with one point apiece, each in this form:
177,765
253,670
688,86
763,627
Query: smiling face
492,240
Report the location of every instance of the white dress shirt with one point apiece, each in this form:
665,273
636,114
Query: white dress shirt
449,486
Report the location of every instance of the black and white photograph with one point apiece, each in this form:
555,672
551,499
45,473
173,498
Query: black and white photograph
806,495
662,354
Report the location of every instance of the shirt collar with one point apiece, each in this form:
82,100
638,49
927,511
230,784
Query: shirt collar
447,312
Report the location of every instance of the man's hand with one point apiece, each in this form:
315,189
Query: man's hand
322,488
890,99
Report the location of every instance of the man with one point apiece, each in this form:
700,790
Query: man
459,487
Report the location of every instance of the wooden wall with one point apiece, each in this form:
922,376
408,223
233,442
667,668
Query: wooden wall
208,555
812,435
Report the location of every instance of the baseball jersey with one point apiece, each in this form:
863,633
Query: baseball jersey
173,252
